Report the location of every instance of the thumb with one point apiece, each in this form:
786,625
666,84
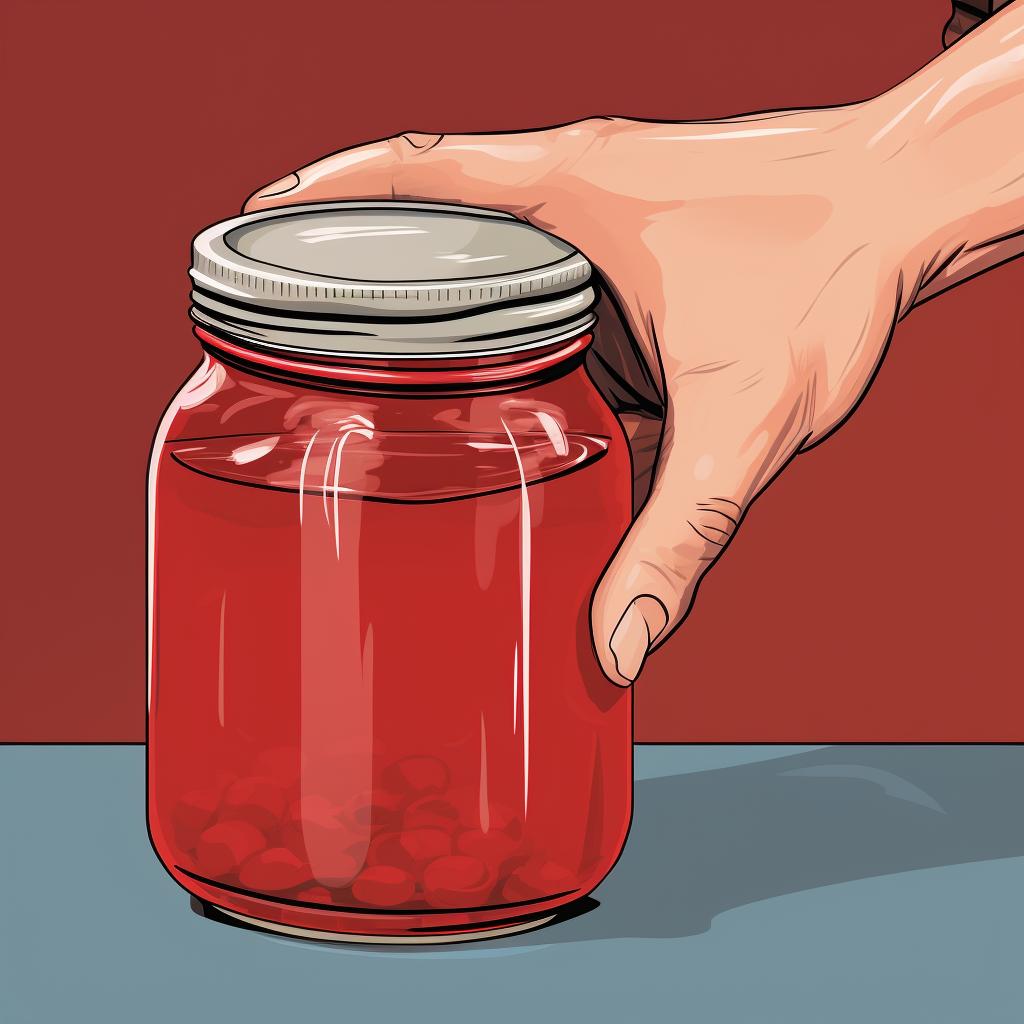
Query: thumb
719,450
508,172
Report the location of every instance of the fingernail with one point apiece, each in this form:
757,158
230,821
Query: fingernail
279,187
640,625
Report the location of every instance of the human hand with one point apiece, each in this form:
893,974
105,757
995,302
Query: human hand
759,265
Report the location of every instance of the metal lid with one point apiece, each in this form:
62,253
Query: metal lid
389,279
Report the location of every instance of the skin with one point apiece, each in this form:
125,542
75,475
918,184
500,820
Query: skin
755,270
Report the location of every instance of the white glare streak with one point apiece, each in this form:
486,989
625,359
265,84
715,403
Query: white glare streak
358,419
337,472
505,151
385,232
302,471
464,257
515,689
550,308
198,391
327,470
485,801
889,125
342,162
981,74
251,452
741,133
220,661
356,230
337,479
556,435
524,588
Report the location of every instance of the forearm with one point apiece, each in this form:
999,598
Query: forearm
950,141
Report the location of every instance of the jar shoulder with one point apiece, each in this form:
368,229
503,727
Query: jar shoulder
218,400
236,427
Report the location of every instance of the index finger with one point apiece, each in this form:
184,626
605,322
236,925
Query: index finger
510,172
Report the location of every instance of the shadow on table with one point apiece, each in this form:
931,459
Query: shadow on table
706,842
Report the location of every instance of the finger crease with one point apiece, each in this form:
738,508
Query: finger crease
705,507
709,540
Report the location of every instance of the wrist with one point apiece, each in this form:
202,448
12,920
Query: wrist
924,210
944,149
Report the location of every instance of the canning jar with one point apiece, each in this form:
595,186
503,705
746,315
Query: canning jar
378,511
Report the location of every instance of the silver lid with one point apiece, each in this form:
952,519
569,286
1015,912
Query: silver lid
392,279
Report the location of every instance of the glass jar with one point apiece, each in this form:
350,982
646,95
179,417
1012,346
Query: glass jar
378,510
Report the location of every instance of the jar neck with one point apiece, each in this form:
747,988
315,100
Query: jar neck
495,372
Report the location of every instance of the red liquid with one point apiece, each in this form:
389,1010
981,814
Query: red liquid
375,706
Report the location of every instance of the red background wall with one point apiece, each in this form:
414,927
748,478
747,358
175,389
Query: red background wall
873,592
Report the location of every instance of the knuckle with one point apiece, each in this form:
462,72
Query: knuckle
714,522
409,145
595,127
575,141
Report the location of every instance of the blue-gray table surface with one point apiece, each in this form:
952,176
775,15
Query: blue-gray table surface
761,884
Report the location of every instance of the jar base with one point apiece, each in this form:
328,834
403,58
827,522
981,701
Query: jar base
322,935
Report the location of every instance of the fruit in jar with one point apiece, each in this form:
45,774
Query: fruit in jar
410,850
192,814
223,847
378,809
407,839
456,881
486,815
273,870
314,894
314,832
535,879
334,867
494,847
259,801
383,886
315,822
431,812
416,776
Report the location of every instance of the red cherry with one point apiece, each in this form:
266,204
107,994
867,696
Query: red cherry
314,808
457,882
314,894
273,870
494,848
315,823
192,814
224,846
291,838
537,878
383,886
374,811
409,850
314,832
496,816
416,776
503,819
333,867
261,802
431,812
426,844
386,849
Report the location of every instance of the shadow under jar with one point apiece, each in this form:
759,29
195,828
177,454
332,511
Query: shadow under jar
378,510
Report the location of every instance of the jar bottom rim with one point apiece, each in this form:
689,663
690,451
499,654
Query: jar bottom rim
323,935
